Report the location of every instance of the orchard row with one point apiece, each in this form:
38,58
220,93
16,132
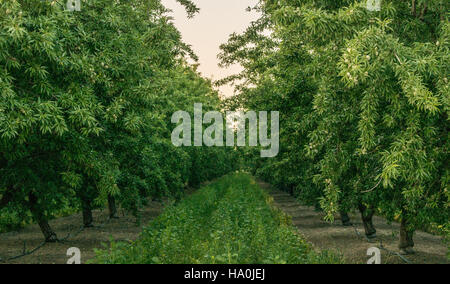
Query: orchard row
364,99
86,99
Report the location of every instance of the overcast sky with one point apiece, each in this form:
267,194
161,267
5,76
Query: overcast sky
210,28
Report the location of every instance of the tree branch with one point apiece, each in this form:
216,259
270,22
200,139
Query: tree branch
424,11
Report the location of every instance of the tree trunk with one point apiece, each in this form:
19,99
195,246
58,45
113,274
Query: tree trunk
112,207
406,244
367,215
87,213
49,234
6,198
345,219
291,190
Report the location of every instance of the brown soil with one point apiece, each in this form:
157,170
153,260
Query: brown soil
13,244
350,241
122,229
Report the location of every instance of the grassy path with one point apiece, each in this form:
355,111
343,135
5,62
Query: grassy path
346,241
230,221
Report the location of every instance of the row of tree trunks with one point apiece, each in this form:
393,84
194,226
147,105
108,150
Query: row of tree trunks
87,211
406,243
46,229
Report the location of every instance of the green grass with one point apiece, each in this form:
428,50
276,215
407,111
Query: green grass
230,221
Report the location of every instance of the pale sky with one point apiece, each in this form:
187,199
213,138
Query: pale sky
210,28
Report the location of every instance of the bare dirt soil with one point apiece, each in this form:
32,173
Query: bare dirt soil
351,241
122,229
13,244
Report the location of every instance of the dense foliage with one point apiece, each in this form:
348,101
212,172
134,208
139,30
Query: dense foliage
364,103
230,221
86,99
